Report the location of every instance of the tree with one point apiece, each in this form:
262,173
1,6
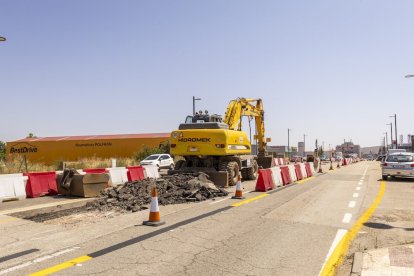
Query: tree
31,135
145,152
2,151
320,151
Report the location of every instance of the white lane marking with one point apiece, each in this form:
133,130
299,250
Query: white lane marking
358,188
339,235
347,218
38,260
352,204
221,200
217,201
355,195
360,184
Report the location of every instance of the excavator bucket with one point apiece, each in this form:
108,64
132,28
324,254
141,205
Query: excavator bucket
265,161
87,185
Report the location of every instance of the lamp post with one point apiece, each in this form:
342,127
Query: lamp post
304,145
289,130
409,76
392,145
395,126
386,139
2,39
194,100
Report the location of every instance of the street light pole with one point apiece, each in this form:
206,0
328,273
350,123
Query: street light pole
194,100
304,145
386,139
395,126
2,39
289,130
392,145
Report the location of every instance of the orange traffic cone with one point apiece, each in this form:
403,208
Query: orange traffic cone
154,216
239,190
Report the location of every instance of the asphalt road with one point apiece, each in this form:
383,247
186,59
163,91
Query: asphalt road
286,232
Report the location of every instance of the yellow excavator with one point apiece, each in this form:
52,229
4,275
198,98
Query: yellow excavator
219,147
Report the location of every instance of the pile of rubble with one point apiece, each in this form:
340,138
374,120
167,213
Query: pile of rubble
172,189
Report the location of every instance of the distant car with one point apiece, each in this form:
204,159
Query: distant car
295,158
162,161
398,165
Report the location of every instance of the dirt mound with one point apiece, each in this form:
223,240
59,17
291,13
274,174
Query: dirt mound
172,189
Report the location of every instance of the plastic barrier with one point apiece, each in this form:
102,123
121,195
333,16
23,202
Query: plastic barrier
135,173
308,169
298,172
97,170
151,172
118,175
292,173
312,169
284,171
276,160
12,187
282,162
265,181
277,176
303,170
41,183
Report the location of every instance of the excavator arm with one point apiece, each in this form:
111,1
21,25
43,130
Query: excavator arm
252,108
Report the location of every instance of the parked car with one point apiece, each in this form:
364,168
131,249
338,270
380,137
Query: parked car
162,161
398,165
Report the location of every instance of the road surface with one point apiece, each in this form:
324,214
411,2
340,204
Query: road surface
290,231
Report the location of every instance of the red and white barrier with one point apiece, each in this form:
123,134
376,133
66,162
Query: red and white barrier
265,181
303,170
118,175
277,176
292,173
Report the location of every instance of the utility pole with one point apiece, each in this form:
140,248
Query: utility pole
194,100
392,145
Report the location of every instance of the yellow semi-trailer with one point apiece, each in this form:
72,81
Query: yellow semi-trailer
49,150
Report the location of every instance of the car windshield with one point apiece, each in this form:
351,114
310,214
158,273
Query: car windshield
400,158
152,157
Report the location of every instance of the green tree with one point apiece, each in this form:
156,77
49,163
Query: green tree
2,151
31,135
320,151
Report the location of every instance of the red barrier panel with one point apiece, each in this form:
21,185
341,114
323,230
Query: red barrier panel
97,170
135,173
298,172
265,181
308,169
285,175
41,183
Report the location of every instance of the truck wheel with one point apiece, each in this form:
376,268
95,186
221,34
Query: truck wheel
232,169
245,175
179,164
252,171
384,177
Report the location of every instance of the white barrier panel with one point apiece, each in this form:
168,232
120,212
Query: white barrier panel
151,172
292,173
118,175
276,160
277,177
312,167
12,186
303,170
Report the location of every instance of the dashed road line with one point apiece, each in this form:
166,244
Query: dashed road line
355,195
352,204
347,218
358,188
336,258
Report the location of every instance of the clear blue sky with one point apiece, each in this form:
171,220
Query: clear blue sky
330,69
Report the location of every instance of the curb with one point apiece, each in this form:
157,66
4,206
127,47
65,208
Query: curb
357,264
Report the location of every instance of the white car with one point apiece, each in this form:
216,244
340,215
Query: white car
398,165
162,161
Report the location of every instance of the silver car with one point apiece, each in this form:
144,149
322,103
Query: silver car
398,164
